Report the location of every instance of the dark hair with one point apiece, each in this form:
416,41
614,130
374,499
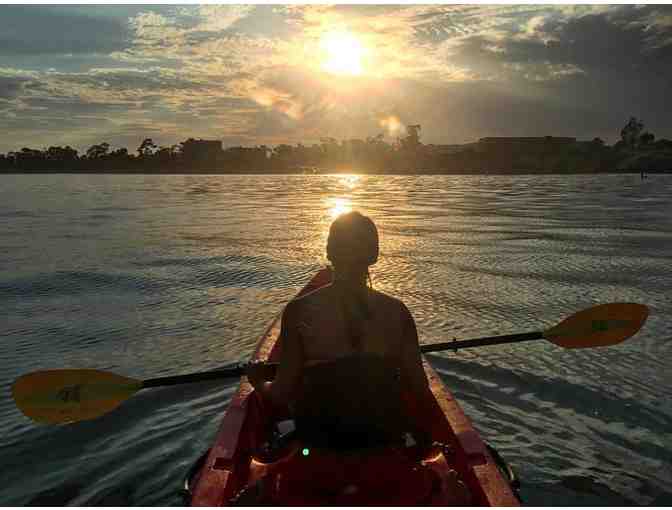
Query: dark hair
353,239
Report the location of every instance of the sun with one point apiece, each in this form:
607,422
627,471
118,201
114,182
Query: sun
342,53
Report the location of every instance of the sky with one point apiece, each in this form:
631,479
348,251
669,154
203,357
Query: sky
270,74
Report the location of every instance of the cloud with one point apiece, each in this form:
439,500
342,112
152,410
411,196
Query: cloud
219,18
612,45
34,30
180,34
255,74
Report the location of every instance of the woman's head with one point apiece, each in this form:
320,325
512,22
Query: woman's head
352,245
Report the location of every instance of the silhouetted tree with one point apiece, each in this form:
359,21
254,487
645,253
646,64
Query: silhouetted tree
66,153
661,144
374,154
147,148
646,138
98,151
119,153
412,139
631,132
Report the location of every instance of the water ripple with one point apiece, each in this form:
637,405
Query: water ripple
150,276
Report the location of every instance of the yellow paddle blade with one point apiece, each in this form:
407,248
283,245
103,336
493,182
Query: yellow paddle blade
64,396
599,326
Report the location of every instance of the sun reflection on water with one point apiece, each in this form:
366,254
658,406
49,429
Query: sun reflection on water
343,203
349,181
338,206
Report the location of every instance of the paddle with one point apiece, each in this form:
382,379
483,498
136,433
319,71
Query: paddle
69,395
598,326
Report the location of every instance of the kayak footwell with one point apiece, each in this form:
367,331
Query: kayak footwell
305,478
456,470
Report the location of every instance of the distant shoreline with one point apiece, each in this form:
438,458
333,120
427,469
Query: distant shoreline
489,156
338,172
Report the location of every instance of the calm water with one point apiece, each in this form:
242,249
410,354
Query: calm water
157,275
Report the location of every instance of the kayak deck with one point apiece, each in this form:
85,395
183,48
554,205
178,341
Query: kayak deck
233,465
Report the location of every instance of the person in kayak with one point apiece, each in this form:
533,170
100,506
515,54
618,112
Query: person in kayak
347,351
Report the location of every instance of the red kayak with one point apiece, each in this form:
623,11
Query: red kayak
249,465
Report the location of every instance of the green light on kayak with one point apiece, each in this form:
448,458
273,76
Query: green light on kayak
305,452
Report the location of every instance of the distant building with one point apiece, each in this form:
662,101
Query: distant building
447,149
200,150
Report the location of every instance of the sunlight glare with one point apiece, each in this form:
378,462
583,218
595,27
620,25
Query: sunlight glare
339,206
393,125
343,53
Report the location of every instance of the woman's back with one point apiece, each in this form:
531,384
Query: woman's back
350,390
334,323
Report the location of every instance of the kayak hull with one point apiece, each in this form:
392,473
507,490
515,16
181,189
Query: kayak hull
231,466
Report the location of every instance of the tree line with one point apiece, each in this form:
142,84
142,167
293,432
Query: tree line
372,155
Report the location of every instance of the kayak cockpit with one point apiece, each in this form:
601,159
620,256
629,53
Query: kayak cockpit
287,471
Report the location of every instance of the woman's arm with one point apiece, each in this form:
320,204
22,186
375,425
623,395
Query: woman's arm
280,391
413,374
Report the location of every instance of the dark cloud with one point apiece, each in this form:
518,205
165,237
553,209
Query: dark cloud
616,42
592,72
599,42
36,30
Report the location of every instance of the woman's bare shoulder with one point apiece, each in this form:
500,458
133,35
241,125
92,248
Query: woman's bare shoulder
308,301
390,304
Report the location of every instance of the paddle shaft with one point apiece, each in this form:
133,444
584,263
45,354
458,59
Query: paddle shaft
481,342
239,370
236,371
